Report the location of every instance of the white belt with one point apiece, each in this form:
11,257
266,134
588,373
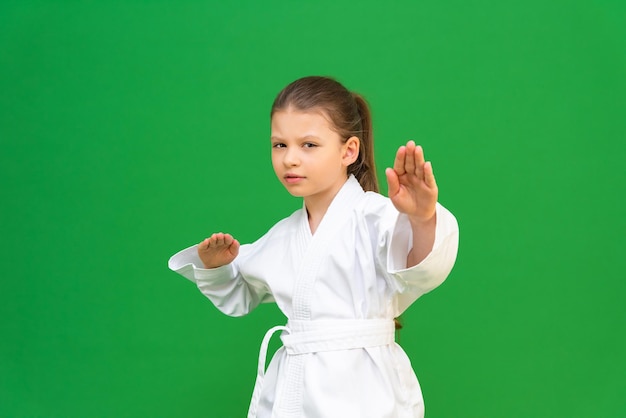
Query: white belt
302,337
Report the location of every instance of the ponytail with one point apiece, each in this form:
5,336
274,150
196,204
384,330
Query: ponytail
364,168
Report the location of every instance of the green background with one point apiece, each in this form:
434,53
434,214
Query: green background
132,129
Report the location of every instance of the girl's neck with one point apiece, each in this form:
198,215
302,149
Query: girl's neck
316,208
317,204
315,212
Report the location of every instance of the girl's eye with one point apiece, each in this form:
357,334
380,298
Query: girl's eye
309,145
278,145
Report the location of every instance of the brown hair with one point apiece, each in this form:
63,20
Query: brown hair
348,112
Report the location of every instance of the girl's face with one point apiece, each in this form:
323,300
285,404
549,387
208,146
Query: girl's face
308,156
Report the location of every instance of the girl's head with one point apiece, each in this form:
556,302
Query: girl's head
347,113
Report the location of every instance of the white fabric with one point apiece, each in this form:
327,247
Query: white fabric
352,268
260,375
303,337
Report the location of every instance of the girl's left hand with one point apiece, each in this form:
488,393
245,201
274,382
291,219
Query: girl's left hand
412,186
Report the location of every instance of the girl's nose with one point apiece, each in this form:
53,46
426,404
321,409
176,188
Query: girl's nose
291,158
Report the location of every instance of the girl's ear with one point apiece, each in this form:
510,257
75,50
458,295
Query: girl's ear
350,150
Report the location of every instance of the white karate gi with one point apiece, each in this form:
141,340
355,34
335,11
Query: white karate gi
340,289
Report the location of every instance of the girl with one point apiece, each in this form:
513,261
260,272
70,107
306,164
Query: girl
341,268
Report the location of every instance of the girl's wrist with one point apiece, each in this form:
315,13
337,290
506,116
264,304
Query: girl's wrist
421,221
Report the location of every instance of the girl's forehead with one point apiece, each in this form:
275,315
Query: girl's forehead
296,122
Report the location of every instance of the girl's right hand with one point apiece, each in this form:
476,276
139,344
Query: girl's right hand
218,250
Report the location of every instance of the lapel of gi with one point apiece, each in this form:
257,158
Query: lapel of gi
320,244
314,249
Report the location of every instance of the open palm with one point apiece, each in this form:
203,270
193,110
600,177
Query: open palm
218,250
412,186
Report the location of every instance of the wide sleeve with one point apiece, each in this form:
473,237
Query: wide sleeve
225,286
410,283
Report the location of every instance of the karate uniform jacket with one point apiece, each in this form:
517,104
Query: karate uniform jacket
340,289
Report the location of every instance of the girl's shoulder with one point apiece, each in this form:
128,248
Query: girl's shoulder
285,226
376,212
376,205
275,237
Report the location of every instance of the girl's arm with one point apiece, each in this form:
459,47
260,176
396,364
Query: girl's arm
210,266
413,191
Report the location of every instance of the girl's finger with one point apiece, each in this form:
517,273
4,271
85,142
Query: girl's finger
429,175
398,164
205,244
409,161
418,156
234,247
392,181
219,239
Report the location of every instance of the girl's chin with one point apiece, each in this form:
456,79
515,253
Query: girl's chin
294,193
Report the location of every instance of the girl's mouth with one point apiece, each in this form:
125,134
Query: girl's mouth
292,178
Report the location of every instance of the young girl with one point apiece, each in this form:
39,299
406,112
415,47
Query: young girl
341,268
